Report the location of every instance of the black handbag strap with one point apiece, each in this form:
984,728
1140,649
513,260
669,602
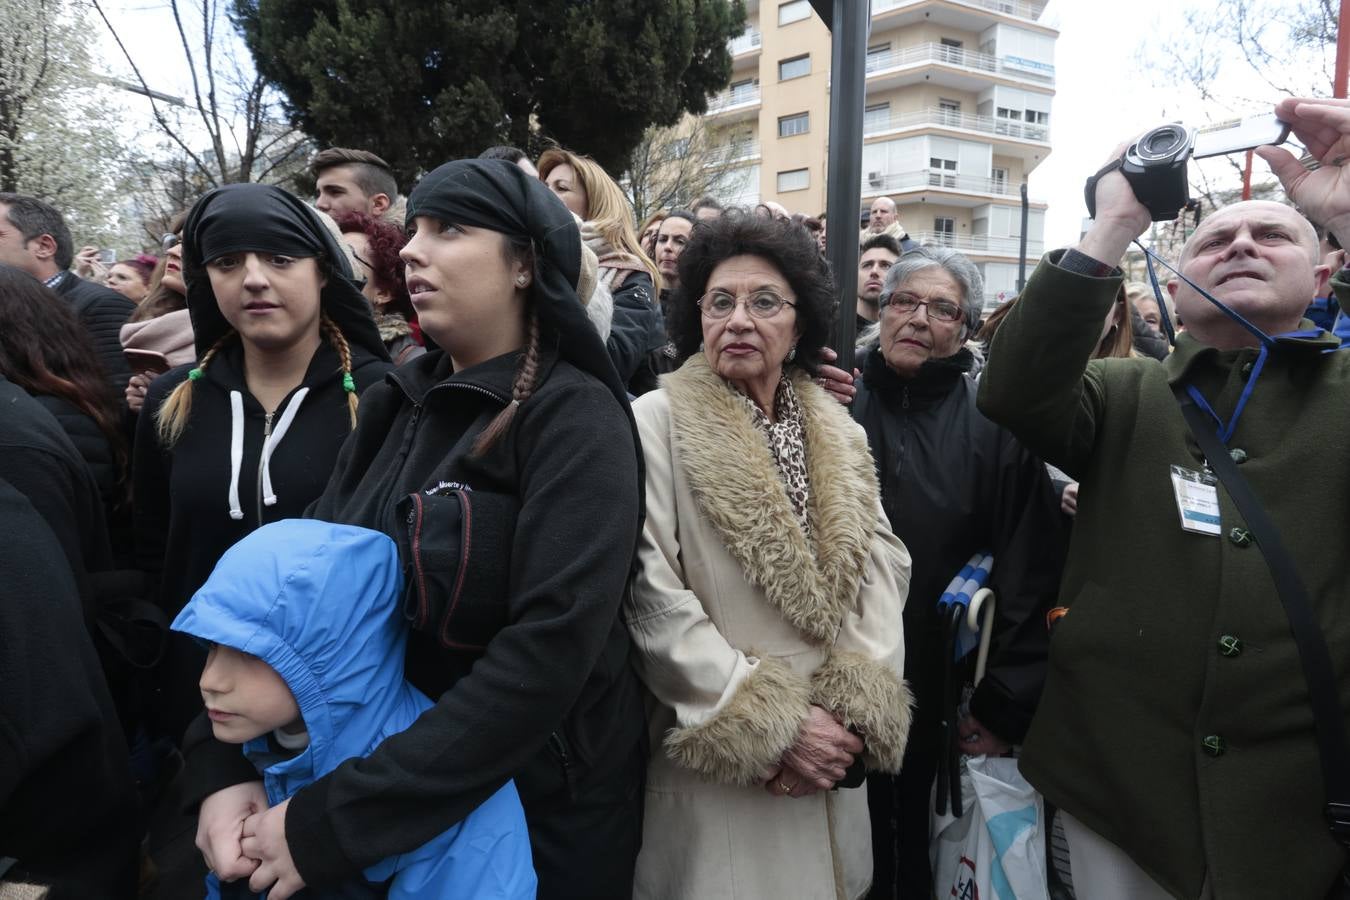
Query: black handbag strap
1328,719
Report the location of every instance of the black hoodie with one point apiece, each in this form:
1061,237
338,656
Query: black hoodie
196,499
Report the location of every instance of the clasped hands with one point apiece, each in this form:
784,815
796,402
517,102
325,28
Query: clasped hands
240,837
820,756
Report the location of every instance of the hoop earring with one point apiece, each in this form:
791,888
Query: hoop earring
791,354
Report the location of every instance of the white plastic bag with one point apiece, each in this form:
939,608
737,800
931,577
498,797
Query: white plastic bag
995,850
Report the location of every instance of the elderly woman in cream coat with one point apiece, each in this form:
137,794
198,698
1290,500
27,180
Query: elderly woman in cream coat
766,613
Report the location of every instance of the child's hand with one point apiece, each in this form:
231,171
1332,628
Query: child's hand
265,840
220,824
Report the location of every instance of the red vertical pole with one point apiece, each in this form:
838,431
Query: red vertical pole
1342,50
1247,173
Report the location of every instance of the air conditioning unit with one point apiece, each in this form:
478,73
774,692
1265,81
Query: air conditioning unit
874,179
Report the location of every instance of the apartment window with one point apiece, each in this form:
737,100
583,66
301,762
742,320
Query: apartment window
1036,117
877,55
790,126
949,112
794,11
1014,115
999,179
794,180
945,230
794,68
949,50
942,172
876,117
680,148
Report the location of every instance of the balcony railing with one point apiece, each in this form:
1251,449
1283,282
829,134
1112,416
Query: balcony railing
740,96
978,243
936,178
1017,8
746,42
733,153
949,119
919,54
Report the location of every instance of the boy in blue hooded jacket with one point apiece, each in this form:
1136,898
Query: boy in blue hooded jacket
306,671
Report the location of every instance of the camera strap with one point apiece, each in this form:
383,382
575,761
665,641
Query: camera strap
1090,189
1328,719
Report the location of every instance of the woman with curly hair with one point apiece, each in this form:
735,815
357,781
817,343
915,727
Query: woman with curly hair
766,611
375,244
607,228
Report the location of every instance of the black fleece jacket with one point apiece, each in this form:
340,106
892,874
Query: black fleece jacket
551,700
182,515
103,312
67,804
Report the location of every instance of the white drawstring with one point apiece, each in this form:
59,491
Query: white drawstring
287,417
236,451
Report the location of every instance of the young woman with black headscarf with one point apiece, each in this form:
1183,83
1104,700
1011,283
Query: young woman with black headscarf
250,432
506,466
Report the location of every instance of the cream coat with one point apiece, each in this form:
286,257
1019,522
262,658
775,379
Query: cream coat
740,625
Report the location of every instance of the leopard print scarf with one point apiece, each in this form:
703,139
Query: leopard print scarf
788,447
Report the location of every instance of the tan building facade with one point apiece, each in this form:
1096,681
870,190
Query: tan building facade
957,114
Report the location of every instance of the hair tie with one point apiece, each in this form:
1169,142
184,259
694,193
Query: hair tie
348,384
194,374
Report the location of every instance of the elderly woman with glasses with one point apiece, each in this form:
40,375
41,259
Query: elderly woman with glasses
952,484
766,611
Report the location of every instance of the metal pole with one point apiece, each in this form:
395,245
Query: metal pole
1022,244
848,72
1342,51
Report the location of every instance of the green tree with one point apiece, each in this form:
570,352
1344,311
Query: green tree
423,81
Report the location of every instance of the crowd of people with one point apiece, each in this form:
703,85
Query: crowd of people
484,541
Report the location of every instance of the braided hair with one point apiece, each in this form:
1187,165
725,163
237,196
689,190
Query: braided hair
173,414
526,380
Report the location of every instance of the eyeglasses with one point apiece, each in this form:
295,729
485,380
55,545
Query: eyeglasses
942,310
760,304
169,241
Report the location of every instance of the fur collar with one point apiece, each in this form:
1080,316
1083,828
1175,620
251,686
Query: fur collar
737,487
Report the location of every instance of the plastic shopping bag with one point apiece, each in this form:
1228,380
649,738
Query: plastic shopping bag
995,850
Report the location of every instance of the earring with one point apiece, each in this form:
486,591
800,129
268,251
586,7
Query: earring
792,354
520,281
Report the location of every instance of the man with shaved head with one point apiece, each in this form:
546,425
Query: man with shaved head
883,219
1175,732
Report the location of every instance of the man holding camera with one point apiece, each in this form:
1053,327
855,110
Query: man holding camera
1175,729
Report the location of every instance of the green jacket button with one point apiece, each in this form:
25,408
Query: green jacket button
1239,455
1241,537
1230,645
1214,745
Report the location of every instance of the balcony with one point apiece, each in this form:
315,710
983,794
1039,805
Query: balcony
745,43
972,68
736,103
980,244
730,154
923,179
934,117
1030,12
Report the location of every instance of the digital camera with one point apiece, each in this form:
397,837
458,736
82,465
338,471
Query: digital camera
1155,164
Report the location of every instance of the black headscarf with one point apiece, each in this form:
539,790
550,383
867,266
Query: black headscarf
502,197
262,218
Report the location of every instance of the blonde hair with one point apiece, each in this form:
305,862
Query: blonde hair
1119,341
172,417
606,205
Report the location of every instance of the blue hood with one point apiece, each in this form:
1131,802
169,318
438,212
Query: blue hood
318,603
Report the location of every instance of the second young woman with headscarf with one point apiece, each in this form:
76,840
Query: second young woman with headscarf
506,466
250,432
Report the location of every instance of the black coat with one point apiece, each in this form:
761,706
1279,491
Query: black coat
551,699
103,312
38,458
953,484
636,329
93,446
67,804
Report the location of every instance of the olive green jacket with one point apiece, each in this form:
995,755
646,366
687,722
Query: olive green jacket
1175,720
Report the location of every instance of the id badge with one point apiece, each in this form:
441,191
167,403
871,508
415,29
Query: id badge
1197,500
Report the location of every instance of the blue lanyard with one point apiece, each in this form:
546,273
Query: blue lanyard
1226,432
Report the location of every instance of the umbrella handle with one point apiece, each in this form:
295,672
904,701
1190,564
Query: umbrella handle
982,607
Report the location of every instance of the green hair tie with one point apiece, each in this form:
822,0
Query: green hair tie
348,384
194,374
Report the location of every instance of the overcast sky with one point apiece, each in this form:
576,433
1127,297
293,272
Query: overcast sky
1103,95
